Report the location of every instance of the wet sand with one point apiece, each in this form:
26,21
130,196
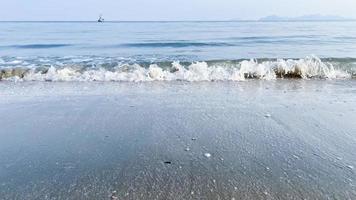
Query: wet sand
284,139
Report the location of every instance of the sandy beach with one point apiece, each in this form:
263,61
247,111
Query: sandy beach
283,139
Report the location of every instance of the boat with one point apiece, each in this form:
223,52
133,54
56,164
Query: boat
101,19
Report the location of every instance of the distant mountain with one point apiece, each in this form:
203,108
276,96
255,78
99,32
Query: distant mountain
306,18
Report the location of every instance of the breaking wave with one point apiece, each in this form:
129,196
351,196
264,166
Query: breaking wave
90,69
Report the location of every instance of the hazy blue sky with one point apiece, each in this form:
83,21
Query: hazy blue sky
169,9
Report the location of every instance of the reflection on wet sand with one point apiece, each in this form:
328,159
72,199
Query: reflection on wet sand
285,139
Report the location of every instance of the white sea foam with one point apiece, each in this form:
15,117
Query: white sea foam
15,62
310,67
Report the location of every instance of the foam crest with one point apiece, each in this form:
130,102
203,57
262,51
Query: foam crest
307,68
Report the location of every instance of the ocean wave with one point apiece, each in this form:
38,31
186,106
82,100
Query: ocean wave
228,70
38,46
175,44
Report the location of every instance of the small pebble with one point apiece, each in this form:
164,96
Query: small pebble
267,115
187,149
208,155
113,196
194,138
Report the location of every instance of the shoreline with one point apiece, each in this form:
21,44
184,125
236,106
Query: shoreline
257,139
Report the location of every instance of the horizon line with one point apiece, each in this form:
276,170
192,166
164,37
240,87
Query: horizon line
227,20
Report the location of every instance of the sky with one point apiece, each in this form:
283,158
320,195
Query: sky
158,10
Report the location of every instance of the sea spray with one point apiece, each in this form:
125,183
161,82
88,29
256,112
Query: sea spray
267,69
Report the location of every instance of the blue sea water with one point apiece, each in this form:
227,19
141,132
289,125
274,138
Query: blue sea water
279,139
112,45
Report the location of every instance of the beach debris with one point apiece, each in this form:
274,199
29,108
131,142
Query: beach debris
296,157
193,138
350,166
113,195
207,155
167,162
268,115
187,149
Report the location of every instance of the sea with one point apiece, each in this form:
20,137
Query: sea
177,110
176,51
